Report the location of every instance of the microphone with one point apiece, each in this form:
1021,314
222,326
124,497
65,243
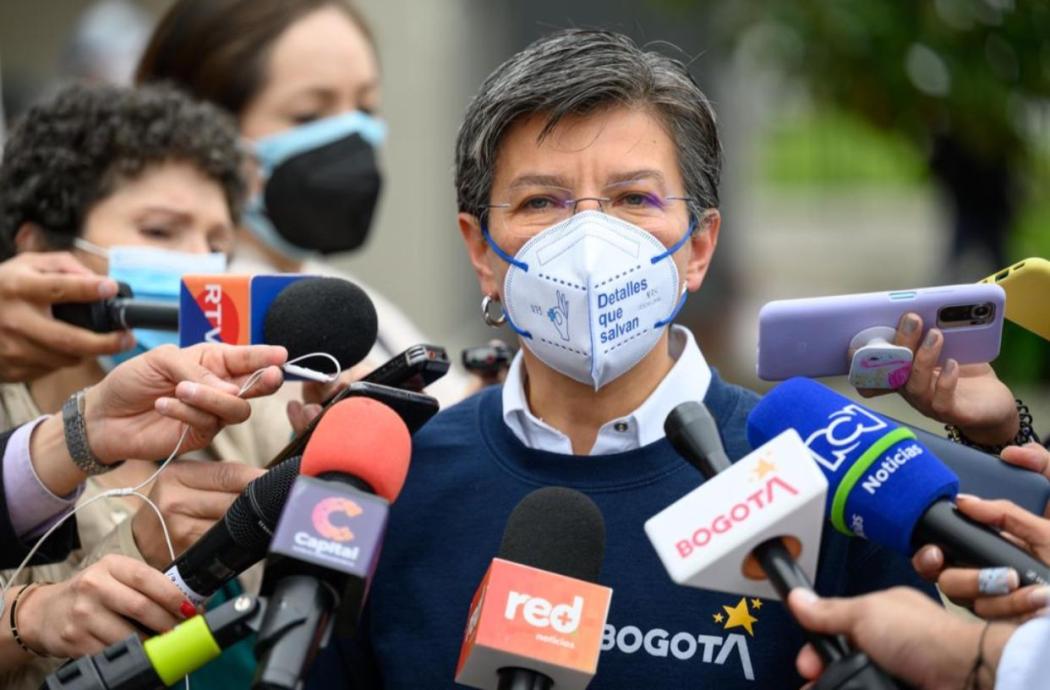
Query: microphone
162,660
327,542
241,537
536,620
122,312
692,431
303,313
885,485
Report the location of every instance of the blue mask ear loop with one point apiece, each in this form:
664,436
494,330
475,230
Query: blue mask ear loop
675,247
516,264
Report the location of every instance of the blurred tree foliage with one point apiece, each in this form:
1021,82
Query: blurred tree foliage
967,82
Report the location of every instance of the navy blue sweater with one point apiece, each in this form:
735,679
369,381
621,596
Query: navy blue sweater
469,471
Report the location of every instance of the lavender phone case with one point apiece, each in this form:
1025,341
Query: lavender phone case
811,336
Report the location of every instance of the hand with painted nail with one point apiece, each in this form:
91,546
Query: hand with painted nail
192,495
970,396
905,633
32,342
91,610
992,593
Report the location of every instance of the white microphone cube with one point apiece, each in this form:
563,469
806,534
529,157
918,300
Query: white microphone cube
705,538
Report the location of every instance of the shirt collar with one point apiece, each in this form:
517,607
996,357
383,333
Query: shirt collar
688,380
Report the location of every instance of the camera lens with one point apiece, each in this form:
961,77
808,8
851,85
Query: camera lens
981,311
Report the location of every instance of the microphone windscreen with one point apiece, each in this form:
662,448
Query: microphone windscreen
322,315
261,501
363,438
558,530
880,478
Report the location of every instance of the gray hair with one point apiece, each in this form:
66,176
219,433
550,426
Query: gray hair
576,72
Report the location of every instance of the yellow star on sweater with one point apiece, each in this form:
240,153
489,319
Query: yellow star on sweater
718,617
740,617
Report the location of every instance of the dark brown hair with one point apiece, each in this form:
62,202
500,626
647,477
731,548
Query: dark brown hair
216,50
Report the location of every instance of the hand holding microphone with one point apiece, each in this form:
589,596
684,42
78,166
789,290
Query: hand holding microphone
907,634
885,486
192,495
32,342
994,592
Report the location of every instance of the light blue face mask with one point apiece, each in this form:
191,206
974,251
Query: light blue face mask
156,275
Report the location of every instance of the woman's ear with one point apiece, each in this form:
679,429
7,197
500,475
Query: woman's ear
703,243
30,238
478,249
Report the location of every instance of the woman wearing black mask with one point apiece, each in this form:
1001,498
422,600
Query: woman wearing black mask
302,78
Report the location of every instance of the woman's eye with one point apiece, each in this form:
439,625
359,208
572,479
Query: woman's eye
639,199
538,203
156,233
305,118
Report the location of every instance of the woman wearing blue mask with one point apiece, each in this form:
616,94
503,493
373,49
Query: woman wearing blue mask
302,79
142,185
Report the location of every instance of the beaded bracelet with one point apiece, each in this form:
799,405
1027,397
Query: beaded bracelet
12,621
1025,433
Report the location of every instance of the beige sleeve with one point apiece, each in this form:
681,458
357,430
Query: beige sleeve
120,540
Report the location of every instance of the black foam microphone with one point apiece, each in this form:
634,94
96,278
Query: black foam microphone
329,315
692,431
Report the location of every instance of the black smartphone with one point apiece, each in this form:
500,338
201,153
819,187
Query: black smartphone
413,407
488,360
414,369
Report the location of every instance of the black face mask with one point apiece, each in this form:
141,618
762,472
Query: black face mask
322,200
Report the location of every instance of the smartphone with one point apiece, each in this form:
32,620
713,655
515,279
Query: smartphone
1027,285
811,336
414,369
414,408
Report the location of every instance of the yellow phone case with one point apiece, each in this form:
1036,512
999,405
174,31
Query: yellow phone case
1027,286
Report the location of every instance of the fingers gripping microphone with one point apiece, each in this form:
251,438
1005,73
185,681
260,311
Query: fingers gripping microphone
327,542
537,618
885,485
692,431
241,537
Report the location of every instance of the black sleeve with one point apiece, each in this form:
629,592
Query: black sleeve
12,549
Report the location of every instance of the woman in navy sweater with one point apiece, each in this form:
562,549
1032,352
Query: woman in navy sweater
586,175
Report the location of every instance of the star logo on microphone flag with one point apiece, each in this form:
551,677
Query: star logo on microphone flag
763,468
718,617
740,617
756,604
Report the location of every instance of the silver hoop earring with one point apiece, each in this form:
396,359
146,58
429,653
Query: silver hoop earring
486,313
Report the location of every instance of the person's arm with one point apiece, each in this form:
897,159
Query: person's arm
907,635
27,507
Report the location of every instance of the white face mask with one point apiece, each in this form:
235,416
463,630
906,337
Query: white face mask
591,296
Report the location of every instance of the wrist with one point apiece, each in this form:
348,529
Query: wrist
51,460
29,618
95,427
